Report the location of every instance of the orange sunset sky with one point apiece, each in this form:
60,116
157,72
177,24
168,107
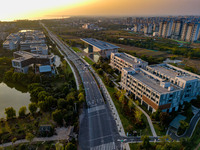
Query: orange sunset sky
39,9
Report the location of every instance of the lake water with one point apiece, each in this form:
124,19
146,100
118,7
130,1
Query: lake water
10,97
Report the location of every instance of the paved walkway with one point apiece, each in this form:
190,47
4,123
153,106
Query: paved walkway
148,118
62,134
189,132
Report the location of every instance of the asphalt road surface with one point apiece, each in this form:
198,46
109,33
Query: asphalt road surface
98,130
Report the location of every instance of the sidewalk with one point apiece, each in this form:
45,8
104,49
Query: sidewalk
148,118
62,134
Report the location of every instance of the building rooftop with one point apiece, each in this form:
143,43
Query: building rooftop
165,71
129,59
46,68
99,44
153,83
174,72
29,55
176,122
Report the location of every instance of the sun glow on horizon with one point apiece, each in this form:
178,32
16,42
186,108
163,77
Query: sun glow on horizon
47,9
34,9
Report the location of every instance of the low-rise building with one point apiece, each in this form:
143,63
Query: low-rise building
41,49
152,91
23,60
103,48
10,44
122,60
26,45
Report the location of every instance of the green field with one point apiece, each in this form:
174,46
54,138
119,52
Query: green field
88,60
76,49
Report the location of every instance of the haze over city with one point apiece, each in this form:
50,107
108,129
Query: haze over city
100,75
36,9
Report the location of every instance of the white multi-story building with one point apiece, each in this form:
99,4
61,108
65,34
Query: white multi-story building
26,45
189,82
123,60
41,49
152,91
10,44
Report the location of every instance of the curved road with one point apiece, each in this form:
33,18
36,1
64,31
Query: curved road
189,131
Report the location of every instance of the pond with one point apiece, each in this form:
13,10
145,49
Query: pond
10,97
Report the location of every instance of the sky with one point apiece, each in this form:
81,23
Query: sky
39,9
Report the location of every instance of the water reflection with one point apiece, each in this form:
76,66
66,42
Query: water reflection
10,97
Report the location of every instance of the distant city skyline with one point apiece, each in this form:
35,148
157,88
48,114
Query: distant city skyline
35,9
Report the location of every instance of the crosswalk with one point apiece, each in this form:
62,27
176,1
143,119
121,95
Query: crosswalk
97,108
107,146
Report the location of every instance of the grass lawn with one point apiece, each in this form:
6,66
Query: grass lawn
88,60
76,49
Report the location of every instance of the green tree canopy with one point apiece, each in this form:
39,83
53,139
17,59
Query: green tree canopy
10,112
32,108
22,111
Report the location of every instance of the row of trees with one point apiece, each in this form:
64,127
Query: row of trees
11,112
166,143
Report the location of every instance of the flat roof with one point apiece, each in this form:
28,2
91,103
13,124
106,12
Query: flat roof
176,121
128,58
165,71
152,83
46,68
99,44
173,72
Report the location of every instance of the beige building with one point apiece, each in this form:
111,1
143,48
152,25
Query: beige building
122,60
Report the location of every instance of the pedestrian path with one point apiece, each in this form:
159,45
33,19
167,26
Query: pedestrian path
148,118
62,134
107,146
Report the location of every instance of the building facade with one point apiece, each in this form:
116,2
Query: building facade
122,60
189,82
153,92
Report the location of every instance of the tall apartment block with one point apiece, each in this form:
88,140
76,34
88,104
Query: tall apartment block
122,60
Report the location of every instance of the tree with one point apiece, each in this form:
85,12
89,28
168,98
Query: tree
70,146
22,111
138,115
59,146
100,71
62,103
130,129
145,142
43,106
42,95
58,117
10,112
131,105
164,118
29,137
14,140
183,126
32,107
156,115
81,97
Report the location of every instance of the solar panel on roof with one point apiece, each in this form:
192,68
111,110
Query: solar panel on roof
99,44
